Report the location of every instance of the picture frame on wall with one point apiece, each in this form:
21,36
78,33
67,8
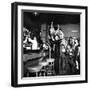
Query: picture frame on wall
49,44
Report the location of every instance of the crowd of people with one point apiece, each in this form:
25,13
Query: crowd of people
67,54
66,51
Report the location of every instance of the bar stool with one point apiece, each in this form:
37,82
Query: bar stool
44,65
35,69
51,65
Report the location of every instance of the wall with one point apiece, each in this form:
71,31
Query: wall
5,46
71,30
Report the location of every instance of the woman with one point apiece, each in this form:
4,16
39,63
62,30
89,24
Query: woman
77,56
57,54
70,58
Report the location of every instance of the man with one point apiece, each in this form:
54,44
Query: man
59,32
34,43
